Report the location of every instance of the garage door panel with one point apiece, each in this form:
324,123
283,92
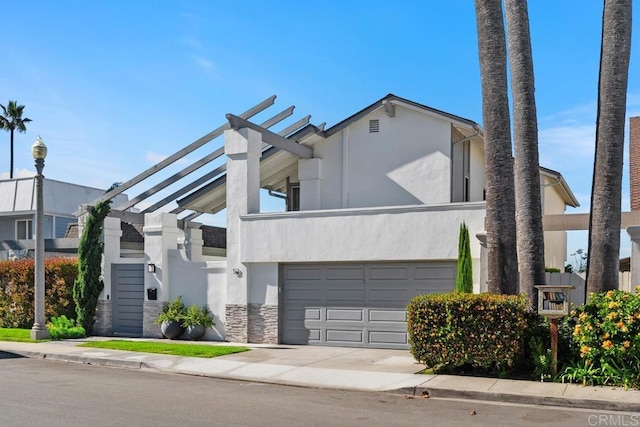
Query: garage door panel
388,273
357,305
303,273
345,273
393,316
435,272
356,315
346,336
304,295
339,295
377,337
389,295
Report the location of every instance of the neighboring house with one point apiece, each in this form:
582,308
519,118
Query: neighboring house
374,206
17,209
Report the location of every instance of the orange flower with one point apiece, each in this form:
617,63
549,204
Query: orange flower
622,326
577,330
607,344
584,350
609,294
612,315
613,304
626,344
606,336
583,316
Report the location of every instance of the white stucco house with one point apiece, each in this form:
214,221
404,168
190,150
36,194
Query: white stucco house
374,206
17,210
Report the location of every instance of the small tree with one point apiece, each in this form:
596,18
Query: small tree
88,285
464,278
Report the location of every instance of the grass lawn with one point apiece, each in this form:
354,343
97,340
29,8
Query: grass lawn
175,349
13,334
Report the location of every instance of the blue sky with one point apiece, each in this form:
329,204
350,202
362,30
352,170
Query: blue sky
114,86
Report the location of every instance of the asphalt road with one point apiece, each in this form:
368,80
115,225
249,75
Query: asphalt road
47,393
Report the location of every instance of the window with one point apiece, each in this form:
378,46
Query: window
293,197
374,126
466,188
24,229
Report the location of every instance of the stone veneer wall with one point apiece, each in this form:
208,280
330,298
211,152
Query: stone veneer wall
103,325
151,311
263,324
236,323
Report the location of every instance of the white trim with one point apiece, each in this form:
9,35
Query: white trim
433,114
366,211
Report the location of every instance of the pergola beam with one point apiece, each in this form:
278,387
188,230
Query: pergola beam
272,138
183,152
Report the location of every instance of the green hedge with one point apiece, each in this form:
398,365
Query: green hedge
450,330
16,290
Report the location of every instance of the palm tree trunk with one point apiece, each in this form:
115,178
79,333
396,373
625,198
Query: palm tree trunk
530,237
11,156
502,271
606,192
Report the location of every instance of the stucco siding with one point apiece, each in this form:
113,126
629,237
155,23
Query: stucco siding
357,235
407,162
555,242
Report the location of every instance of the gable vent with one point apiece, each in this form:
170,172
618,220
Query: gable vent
374,126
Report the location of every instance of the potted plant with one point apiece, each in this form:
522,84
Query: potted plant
196,320
171,319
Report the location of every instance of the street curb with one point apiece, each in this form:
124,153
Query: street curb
131,364
567,402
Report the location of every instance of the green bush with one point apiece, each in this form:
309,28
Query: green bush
63,328
551,270
174,311
197,315
451,330
16,290
606,341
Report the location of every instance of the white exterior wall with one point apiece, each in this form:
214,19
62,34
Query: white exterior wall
201,283
406,163
555,242
373,234
476,172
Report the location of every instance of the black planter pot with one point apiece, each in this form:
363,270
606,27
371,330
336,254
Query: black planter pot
171,329
196,332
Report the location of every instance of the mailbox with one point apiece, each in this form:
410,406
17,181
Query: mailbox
152,294
553,300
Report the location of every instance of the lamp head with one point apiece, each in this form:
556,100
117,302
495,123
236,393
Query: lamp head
38,149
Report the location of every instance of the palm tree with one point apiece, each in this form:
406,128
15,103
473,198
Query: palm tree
606,191
530,237
12,120
502,271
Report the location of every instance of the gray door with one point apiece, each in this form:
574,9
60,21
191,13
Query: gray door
128,298
356,305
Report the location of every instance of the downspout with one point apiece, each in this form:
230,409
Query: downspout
278,195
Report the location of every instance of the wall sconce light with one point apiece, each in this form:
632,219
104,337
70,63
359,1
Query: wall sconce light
151,268
237,272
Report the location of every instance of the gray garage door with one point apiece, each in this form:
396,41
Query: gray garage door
128,298
356,305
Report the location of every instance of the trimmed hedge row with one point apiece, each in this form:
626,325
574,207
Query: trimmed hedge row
16,291
450,330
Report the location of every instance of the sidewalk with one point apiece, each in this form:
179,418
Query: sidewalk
339,368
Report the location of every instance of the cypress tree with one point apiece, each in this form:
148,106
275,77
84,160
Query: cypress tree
88,285
464,278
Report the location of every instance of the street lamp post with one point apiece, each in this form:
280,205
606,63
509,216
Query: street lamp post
39,330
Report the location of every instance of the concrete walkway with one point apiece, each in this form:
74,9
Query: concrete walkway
338,368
